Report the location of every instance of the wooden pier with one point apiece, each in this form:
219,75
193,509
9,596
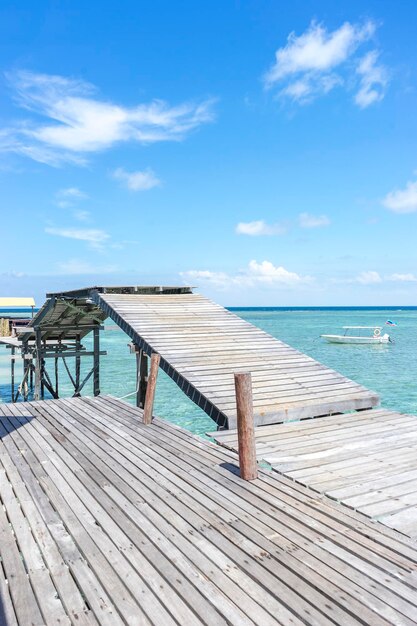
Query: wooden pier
366,460
202,346
105,520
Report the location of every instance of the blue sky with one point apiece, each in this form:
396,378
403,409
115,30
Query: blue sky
263,151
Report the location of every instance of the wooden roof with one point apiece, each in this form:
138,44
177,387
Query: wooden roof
105,521
202,344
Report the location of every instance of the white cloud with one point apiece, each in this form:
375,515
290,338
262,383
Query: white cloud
72,192
82,216
368,278
402,200
313,221
137,181
217,279
402,278
264,273
79,123
374,80
66,198
259,227
77,266
318,60
318,50
94,236
269,273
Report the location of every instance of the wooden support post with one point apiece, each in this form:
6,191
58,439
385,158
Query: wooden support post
56,377
142,377
96,365
30,366
245,426
38,364
150,391
43,370
77,366
12,364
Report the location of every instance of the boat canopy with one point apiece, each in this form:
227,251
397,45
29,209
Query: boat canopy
362,327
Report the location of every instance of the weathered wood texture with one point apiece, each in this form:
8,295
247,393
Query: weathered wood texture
151,389
368,462
245,428
202,345
107,521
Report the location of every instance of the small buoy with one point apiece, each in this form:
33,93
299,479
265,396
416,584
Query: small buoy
377,332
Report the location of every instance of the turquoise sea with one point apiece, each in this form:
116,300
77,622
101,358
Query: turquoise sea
391,369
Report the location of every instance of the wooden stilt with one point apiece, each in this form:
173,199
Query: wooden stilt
77,366
96,366
245,426
38,363
56,377
151,387
31,374
43,371
142,377
12,366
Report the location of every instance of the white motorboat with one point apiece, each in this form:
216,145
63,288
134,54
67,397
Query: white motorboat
359,335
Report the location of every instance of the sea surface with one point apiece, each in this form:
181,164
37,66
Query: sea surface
390,370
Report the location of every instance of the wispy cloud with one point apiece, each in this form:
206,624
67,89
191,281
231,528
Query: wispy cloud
264,273
402,278
370,277
81,215
259,227
69,196
313,221
78,122
318,60
94,236
137,181
402,200
78,266
373,80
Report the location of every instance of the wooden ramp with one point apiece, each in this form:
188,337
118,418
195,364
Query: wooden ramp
202,344
107,521
367,462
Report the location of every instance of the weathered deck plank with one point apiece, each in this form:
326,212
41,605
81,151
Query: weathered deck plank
202,345
169,533
368,462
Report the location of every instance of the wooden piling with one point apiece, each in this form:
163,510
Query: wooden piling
56,377
142,368
96,366
245,426
12,366
77,365
38,364
151,387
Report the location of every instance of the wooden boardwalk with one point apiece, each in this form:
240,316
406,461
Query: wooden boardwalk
202,345
107,521
367,461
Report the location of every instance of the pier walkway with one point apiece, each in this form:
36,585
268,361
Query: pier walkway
107,521
202,345
366,460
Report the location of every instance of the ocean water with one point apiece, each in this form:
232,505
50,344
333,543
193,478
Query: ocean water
390,370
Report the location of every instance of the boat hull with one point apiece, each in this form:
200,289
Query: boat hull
355,340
